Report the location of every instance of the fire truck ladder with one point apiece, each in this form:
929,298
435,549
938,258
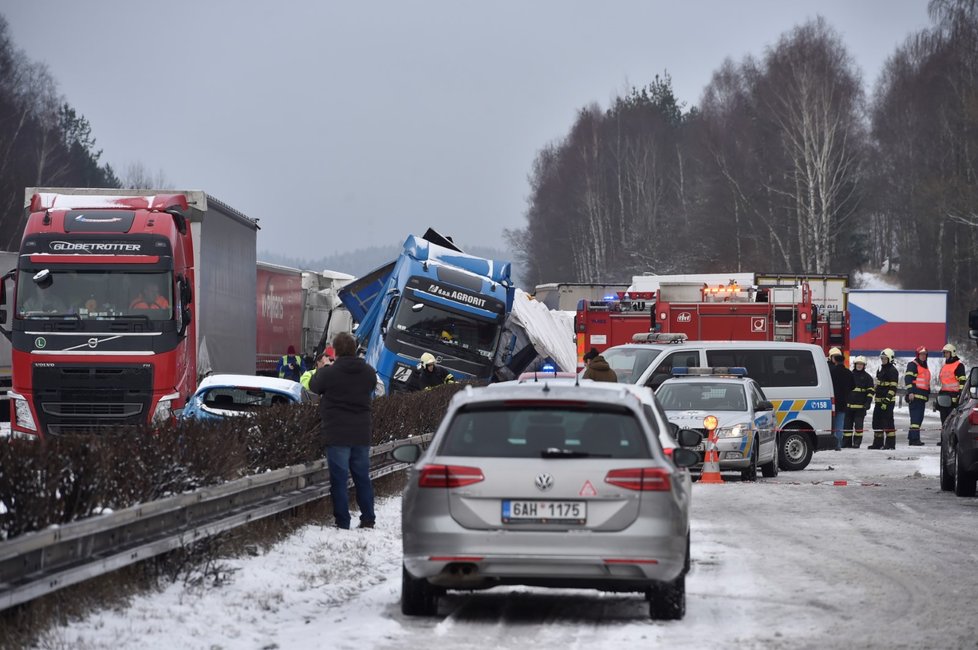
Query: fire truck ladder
783,300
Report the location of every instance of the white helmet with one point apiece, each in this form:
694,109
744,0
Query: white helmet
888,354
950,348
835,352
860,359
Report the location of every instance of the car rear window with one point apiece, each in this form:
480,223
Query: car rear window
242,399
514,432
770,368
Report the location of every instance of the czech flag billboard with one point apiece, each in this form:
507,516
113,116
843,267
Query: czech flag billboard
901,320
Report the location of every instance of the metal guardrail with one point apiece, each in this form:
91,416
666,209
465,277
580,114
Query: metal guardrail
39,563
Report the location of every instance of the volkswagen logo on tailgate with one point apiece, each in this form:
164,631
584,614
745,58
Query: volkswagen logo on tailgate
544,482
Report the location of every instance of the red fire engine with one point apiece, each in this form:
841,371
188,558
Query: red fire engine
711,313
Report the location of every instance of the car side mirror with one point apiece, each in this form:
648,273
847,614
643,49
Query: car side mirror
407,453
684,457
973,323
689,438
764,405
973,380
674,430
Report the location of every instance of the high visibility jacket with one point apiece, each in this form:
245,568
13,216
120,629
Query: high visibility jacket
887,380
862,395
952,376
917,379
295,372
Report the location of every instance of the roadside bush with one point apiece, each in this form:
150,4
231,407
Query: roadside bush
68,478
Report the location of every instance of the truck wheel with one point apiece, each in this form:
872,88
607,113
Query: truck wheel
795,451
947,476
418,598
749,473
667,601
770,469
965,482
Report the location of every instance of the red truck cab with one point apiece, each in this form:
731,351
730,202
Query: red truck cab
102,318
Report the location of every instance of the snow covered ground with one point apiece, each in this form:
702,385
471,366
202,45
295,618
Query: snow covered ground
885,561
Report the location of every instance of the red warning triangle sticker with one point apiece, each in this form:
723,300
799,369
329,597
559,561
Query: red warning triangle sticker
588,490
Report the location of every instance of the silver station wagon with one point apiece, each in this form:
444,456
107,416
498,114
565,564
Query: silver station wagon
547,484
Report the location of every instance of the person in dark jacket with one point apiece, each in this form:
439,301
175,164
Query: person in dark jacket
887,380
291,366
916,380
842,385
858,404
346,389
598,368
429,374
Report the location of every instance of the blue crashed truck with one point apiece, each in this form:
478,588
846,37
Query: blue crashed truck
432,298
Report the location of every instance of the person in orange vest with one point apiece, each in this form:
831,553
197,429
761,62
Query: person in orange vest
917,382
952,380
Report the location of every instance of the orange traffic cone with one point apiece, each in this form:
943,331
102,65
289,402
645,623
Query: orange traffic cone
711,464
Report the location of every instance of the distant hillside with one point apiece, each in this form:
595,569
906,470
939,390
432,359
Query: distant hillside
363,260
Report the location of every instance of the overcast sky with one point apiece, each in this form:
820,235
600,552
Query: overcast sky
347,124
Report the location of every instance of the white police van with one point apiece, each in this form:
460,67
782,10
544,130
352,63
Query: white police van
794,376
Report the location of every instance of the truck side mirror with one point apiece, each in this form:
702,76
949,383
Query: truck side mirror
184,320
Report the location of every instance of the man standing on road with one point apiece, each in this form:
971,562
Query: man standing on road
952,378
858,403
346,388
842,385
917,382
887,380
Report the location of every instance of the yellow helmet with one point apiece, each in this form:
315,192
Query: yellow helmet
835,352
888,353
950,348
860,359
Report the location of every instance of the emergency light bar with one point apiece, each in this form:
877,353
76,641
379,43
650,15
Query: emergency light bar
659,337
731,371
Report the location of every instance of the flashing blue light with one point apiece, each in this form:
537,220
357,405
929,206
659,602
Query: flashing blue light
680,371
548,367
739,371
611,297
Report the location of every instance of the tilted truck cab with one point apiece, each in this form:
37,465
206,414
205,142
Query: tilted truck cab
432,298
104,321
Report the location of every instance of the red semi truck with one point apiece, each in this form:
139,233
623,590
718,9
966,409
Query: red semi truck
92,347
297,308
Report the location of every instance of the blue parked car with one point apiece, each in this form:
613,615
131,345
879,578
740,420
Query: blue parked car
224,396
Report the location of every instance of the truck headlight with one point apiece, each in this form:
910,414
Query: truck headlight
736,431
164,410
22,412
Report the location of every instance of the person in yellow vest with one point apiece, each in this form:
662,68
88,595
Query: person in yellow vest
291,365
952,380
916,380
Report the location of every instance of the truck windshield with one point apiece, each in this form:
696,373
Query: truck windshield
95,295
437,328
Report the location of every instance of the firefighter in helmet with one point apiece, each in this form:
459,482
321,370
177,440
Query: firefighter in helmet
858,403
952,379
916,380
887,380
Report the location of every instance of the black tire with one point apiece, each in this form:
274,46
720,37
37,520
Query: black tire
947,476
418,598
965,482
749,473
667,601
795,450
770,468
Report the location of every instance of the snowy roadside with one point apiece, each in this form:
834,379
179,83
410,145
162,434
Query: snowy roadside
781,563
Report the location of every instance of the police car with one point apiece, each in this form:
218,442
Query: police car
746,435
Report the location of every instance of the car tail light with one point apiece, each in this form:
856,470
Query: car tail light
449,476
973,417
644,479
